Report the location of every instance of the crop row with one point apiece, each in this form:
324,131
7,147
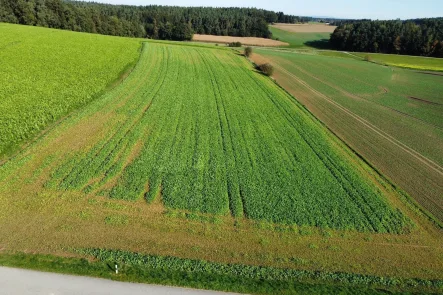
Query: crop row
209,134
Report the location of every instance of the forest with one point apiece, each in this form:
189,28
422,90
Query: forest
412,37
157,22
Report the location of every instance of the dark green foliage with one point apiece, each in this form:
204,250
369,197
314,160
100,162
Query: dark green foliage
289,19
412,37
235,44
266,69
158,22
248,51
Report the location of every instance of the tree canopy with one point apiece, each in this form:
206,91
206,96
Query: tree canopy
158,22
412,37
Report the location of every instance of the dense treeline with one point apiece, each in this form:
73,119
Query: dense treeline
158,22
341,22
289,19
412,37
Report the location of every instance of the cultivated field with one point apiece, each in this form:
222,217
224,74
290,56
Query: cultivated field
45,74
215,157
391,116
412,62
253,41
297,40
196,166
305,28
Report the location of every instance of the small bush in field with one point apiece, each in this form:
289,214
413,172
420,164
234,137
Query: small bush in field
235,44
248,51
266,69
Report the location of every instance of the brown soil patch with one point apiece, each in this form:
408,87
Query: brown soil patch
305,28
253,41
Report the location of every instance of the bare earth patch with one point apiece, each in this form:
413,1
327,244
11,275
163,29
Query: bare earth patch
305,28
253,41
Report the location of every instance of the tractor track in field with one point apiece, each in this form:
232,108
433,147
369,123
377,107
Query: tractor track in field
430,73
436,167
354,96
429,163
425,101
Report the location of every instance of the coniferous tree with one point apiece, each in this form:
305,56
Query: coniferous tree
158,22
412,37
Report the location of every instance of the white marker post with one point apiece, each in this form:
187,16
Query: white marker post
116,269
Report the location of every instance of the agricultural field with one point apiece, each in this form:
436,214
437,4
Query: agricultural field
198,160
252,41
198,168
305,28
313,51
46,74
391,116
304,38
405,61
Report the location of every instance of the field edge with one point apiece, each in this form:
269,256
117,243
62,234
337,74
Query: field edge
404,196
15,150
315,283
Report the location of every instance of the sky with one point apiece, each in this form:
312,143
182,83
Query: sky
373,9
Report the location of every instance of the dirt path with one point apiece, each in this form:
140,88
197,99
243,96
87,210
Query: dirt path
358,57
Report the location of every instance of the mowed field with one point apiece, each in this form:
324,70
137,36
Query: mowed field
195,155
253,41
44,74
305,28
391,116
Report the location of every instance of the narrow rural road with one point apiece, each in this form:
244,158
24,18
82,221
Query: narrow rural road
26,282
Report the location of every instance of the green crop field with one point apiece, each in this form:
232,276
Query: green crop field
223,146
197,168
405,61
399,107
45,74
297,40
